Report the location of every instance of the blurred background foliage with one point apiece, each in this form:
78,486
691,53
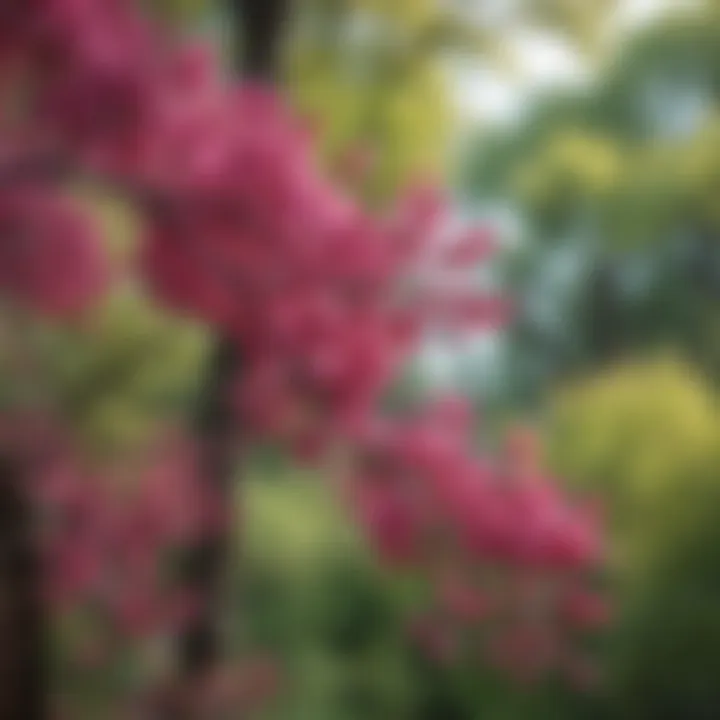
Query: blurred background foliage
616,188
644,437
608,199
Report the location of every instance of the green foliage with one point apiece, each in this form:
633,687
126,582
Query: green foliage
366,74
615,188
585,22
336,621
645,437
179,12
124,376
319,604
118,375
637,154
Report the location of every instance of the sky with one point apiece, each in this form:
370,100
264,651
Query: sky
484,95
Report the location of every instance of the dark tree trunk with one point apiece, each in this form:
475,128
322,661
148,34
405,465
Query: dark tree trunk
256,25
203,565
24,691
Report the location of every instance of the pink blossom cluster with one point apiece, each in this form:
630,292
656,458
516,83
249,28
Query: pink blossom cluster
509,558
110,542
49,257
243,231
323,300
108,539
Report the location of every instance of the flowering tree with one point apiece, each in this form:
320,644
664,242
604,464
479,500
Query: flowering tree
316,305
